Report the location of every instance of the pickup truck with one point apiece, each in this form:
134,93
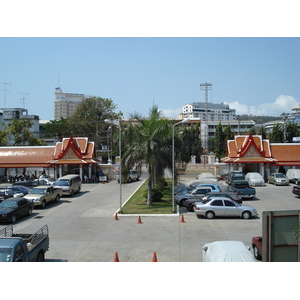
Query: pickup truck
194,195
242,188
43,194
257,247
23,247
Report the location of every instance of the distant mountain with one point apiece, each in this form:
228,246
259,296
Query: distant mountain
260,119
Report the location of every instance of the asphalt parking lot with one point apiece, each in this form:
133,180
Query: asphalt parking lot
83,228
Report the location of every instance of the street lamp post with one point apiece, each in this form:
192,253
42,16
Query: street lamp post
173,162
118,123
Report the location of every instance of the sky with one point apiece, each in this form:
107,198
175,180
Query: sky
256,75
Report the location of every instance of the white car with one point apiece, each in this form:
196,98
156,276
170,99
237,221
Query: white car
227,251
255,179
223,207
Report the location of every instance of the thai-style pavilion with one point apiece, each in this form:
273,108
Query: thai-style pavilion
252,153
71,156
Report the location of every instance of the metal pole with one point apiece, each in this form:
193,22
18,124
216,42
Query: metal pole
120,169
173,163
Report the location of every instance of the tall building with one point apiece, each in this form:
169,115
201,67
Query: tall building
65,104
215,112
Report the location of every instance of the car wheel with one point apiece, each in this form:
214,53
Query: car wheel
246,215
43,204
210,215
29,211
256,253
13,219
297,182
182,202
41,257
129,180
57,198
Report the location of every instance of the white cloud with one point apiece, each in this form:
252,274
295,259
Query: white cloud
171,113
281,104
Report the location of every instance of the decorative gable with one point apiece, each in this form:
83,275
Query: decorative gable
251,147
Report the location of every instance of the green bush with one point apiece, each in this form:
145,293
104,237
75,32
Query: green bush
161,183
156,194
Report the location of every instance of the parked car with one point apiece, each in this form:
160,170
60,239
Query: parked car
257,247
29,183
223,207
296,190
13,209
195,194
278,179
255,179
233,196
189,204
23,247
208,177
194,185
293,175
235,175
14,191
243,188
226,251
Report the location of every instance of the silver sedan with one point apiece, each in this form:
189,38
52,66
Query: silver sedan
223,207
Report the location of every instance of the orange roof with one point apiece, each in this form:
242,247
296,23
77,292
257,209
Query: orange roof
21,156
70,151
253,149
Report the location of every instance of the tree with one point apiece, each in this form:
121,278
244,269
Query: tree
191,144
149,140
88,119
57,129
18,132
262,132
291,131
220,145
3,138
276,135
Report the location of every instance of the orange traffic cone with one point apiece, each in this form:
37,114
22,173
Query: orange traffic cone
182,219
116,259
139,220
154,258
116,217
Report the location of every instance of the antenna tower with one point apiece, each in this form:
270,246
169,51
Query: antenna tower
5,90
206,87
23,98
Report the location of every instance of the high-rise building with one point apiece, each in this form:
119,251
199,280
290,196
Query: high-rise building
65,104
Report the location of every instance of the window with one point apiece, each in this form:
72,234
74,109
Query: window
229,203
217,203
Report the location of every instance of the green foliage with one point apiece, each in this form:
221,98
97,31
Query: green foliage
18,131
156,194
220,145
161,183
57,129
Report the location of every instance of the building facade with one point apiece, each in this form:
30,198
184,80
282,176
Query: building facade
7,115
65,104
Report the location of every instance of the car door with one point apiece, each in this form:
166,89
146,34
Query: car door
218,207
231,210
271,178
22,207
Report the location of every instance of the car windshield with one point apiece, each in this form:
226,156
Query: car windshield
62,182
37,191
9,204
279,175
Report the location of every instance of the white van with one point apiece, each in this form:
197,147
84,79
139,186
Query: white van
69,184
293,175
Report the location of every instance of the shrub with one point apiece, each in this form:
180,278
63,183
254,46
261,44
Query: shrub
156,194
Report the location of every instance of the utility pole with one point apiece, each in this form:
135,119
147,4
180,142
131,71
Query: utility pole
5,90
206,87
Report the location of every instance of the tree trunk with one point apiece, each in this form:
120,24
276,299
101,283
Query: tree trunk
149,199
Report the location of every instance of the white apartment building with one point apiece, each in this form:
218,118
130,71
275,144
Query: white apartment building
215,112
65,104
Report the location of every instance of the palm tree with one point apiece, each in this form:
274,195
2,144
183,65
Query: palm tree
148,140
